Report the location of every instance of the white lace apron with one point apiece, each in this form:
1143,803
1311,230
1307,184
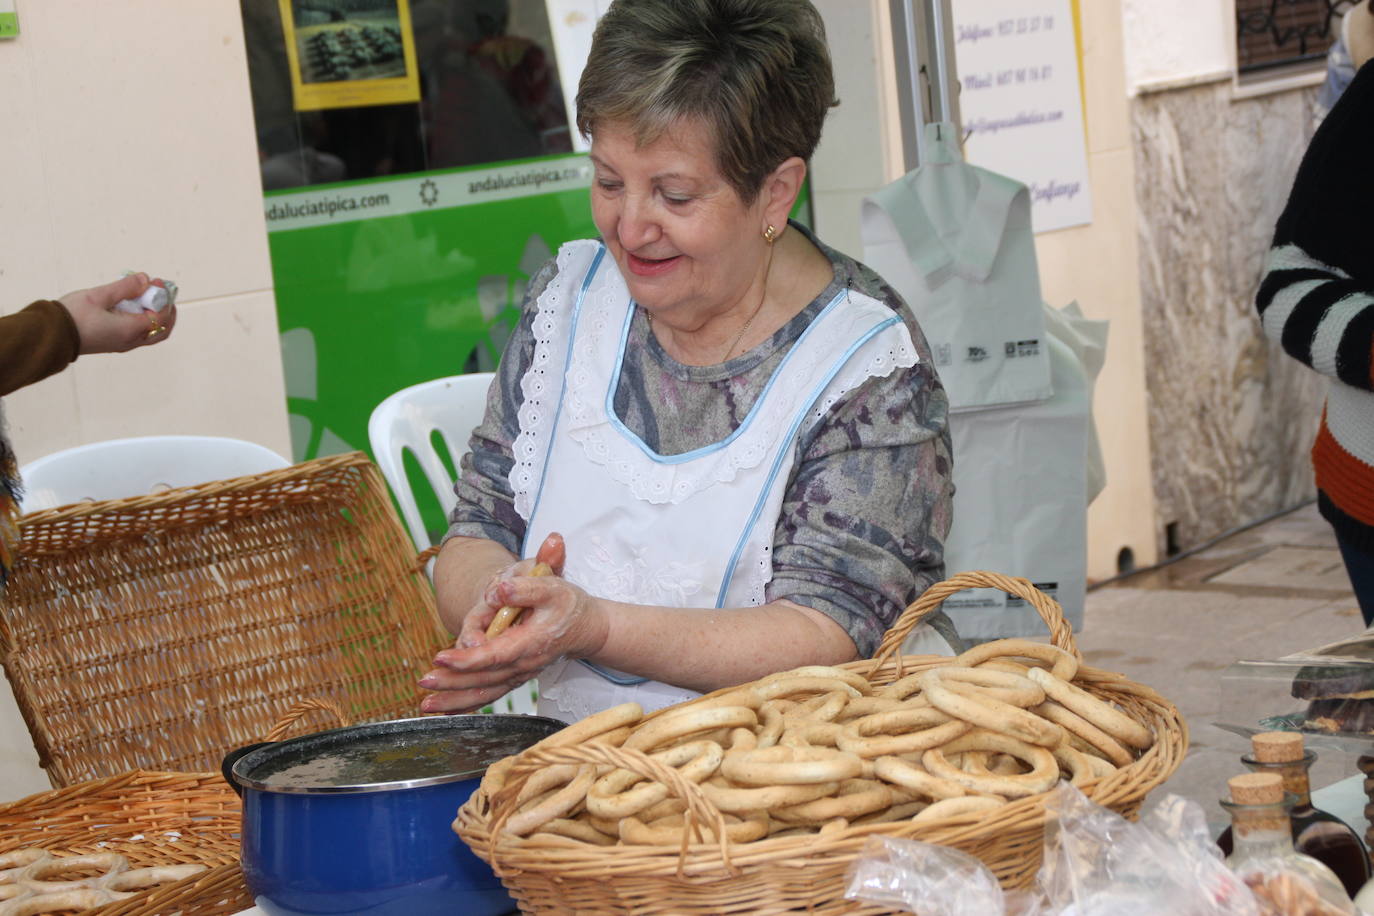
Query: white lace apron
690,530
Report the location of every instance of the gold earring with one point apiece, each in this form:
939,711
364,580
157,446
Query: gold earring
770,235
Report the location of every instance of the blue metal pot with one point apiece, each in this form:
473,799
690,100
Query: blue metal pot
358,820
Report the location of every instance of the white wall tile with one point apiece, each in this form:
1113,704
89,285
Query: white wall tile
142,117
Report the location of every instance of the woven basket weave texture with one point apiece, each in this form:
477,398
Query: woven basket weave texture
161,631
806,873
150,819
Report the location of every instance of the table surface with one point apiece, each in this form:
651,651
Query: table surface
1345,799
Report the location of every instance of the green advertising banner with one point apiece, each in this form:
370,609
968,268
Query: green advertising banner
384,283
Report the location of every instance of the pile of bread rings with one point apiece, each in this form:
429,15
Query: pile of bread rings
33,881
818,749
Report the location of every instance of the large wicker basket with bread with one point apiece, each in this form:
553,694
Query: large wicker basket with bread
693,858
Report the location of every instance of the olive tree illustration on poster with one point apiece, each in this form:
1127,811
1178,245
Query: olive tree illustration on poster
350,53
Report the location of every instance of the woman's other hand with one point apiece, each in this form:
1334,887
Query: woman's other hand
560,620
104,329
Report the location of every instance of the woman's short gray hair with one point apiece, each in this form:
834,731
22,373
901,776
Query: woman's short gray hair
757,72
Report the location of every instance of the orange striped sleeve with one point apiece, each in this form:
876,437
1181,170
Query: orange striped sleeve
1345,479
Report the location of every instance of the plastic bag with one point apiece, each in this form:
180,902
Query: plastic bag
923,878
1097,862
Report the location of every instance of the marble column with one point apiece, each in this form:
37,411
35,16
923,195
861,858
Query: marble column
1231,416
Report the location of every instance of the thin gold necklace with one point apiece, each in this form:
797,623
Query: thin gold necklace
740,336
759,308
649,316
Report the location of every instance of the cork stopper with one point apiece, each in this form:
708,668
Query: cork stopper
1256,788
1277,747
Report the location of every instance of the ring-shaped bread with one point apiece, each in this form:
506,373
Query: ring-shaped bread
604,726
867,706
582,831
668,831
856,798
853,739
84,898
852,678
1043,775
556,804
791,686
952,807
806,733
16,859
1004,686
910,776
57,874
616,794
1062,664
686,721
135,880
1077,764
734,800
789,766
827,709
985,712
1090,734
1101,714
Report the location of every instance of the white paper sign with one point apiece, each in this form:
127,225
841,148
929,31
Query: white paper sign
573,22
1021,102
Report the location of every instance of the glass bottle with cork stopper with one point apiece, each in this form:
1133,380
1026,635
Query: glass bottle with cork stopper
1316,833
1263,854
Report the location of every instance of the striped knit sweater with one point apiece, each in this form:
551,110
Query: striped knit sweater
1317,301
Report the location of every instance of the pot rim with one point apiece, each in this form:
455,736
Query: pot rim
255,758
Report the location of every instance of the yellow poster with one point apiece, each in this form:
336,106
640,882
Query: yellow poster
350,53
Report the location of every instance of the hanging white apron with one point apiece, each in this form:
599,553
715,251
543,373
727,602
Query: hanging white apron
690,530
955,242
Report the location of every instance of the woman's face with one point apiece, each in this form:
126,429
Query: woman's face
688,246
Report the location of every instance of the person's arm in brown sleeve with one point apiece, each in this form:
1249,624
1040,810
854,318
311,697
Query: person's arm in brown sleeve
35,343
48,335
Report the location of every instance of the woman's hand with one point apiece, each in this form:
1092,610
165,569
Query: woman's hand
560,620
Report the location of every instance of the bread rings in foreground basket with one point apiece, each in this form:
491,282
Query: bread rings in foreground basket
814,749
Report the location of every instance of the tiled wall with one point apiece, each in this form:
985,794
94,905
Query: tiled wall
128,143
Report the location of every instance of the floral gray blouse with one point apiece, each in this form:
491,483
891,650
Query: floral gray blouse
861,531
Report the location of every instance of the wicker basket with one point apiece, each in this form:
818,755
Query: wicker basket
806,874
150,819
161,631
155,819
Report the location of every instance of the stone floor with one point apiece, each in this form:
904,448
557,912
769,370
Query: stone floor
1274,589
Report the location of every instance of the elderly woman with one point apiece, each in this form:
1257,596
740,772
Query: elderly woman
733,431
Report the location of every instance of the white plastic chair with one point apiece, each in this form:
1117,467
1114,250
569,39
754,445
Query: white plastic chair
119,468
406,422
